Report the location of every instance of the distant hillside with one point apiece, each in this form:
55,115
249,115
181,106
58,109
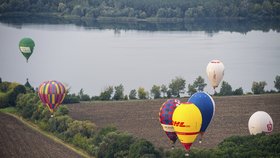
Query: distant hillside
145,9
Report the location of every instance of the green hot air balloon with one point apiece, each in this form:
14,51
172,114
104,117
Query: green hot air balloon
26,46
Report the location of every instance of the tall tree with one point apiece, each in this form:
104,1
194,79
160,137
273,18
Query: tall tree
277,82
191,89
142,94
132,94
119,92
258,87
107,93
163,89
199,83
155,91
177,86
226,89
81,93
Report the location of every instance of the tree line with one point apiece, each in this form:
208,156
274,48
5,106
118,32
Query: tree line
182,9
175,89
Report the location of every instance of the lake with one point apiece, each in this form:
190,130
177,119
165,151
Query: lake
94,58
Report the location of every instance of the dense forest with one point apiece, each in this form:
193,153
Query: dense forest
145,9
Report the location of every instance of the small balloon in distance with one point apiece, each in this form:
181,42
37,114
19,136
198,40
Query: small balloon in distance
26,47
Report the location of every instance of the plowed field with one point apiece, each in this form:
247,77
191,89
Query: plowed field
20,141
140,117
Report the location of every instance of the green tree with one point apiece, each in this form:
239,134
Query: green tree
191,89
163,89
277,82
132,94
26,104
85,128
199,83
142,94
155,91
142,148
119,92
258,87
115,144
61,7
12,94
226,89
107,93
0,80
238,91
177,86
81,93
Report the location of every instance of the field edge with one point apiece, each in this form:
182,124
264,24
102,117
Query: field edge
47,134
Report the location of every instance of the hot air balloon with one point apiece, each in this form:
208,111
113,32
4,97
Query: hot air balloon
187,120
52,94
206,105
260,122
165,118
215,72
26,47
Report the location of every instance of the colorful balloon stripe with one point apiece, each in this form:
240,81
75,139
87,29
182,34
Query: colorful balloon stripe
52,94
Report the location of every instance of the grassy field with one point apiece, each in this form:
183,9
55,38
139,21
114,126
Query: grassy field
140,117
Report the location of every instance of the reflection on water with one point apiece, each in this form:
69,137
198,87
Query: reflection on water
208,25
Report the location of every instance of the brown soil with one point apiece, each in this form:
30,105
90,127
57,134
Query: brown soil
19,141
140,118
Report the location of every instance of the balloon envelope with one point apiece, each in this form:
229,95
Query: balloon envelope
165,118
52,94
206,105
260,122
215,72
26,46
187,121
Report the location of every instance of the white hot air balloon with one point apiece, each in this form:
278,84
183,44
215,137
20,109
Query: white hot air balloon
260,122
215,72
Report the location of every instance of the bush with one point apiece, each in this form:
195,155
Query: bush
4,100
14,93
26,104
83,143
102,133
4,86
142,148
71,98
85,128
59,124
9,93
260,145
115,144
62,110
176,153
